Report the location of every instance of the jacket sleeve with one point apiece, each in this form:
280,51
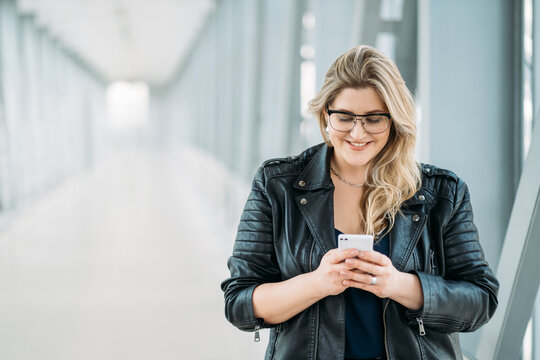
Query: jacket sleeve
253,261
466,297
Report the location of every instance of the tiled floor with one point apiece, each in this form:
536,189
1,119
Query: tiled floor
123,262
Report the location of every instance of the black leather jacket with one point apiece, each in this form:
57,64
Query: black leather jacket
287,226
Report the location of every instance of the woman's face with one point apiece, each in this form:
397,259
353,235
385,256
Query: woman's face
357,147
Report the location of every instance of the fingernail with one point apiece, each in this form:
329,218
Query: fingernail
349,261
347,283
354,252
343,272
362,254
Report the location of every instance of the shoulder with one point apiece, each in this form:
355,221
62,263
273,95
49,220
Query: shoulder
430,171
288,166
442,183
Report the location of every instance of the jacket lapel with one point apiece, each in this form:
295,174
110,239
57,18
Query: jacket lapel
404,236
317,208
317,202
408,226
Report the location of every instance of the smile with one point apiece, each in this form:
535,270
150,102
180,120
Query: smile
358,146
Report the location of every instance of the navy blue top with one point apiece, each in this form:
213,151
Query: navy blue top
364,329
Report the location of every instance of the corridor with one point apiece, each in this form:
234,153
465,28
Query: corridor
122,262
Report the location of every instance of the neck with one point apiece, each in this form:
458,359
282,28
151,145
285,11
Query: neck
354,174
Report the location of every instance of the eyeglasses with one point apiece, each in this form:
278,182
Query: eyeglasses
371,123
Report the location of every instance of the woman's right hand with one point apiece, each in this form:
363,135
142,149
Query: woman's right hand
327,277
277,302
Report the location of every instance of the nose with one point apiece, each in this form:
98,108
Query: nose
358,130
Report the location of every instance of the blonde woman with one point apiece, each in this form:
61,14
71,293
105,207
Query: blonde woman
426,278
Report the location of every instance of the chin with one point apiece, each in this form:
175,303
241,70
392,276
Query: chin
357,160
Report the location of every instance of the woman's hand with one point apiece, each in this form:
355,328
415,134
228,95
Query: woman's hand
374,272
279,301
327,278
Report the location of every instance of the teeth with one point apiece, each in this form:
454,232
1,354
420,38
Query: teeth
358,144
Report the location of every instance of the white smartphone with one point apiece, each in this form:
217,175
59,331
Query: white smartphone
356,241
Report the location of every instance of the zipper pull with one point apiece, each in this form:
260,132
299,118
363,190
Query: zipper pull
257,336
421,326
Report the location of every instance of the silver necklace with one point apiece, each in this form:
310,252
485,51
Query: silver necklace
345,181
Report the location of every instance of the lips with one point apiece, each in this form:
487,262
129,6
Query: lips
358,145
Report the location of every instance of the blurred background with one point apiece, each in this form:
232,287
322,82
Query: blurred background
130,131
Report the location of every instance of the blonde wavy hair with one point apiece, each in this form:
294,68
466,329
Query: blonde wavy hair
394,174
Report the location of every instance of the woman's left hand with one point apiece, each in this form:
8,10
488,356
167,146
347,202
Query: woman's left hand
374,272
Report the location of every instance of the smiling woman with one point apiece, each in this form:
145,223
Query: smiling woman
426,278
367,82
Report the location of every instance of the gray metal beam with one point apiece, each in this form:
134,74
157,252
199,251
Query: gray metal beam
536,57
519,268
536,111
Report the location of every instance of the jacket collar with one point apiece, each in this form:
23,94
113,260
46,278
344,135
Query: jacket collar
316,206
316,174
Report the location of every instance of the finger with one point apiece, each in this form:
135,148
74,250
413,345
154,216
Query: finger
355,270
375,257
371,288
340,255
330,255
365,266
361,278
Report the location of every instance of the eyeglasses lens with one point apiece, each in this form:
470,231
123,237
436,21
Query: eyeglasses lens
372,123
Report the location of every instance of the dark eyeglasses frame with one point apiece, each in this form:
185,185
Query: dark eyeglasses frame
357,117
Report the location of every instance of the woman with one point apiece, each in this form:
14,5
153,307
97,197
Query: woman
426,279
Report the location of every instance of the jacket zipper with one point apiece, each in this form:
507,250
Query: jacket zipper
257,328
432,262
420,321
316,306
384,324
274,345
421,328
257,335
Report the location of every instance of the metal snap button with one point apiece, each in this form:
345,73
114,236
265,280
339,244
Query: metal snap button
427,169
421,197
303,201
415,218
302,183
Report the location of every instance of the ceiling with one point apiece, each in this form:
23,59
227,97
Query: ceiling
133,40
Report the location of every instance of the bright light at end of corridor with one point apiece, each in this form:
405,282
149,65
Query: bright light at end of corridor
127,104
